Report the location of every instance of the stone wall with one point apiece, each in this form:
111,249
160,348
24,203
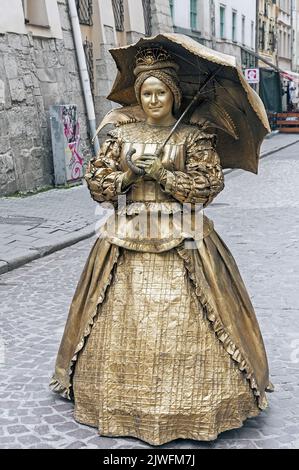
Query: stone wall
35,73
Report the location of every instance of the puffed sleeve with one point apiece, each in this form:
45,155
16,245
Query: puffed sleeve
104,175
203,178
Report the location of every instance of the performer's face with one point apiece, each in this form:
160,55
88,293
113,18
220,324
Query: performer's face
156,100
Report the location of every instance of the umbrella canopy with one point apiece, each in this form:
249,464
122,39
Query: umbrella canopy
227,103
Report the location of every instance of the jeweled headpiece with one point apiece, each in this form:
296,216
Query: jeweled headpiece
155,61
153,58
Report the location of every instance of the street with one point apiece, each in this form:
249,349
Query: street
258,218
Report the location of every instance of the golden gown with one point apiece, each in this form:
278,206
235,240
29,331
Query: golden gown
161,340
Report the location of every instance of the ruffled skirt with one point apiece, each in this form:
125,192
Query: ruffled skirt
152,366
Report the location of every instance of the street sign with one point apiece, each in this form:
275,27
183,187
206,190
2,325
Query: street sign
252,75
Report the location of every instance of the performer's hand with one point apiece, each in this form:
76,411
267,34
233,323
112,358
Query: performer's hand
151,165
129,178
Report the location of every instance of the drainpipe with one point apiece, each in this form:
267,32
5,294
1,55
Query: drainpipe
292,33
257,40
257,31
212,24
83,72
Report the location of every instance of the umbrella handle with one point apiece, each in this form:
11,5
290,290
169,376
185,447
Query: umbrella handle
134,168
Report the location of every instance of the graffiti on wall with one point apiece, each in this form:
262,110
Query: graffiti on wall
71,129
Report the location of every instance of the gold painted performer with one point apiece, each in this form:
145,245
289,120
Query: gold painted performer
161,340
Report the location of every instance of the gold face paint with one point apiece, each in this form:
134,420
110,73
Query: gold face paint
157,102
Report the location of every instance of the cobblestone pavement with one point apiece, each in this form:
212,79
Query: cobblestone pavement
258,218
34,226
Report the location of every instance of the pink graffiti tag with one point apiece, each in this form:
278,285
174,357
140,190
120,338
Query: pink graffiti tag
72,133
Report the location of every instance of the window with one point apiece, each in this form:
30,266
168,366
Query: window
222,22
285,44
247,59
252,35
84,10
118,12
271,37
147,17
35,13
171,7
243,30
234,26
193,14
88,50
262,36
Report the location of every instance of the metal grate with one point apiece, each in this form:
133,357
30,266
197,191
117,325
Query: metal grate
147,17
85,10
118,12
88,49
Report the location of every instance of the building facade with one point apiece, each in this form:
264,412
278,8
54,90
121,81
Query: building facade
110,23
38,62
296,36
227,26
285,34
267,38
38,69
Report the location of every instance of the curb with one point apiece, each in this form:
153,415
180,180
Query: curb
72,239
272,134
89,231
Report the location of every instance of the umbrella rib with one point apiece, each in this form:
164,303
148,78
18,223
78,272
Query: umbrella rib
226,90
195,98
189,62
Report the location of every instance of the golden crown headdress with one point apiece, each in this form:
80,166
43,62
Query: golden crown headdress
153,58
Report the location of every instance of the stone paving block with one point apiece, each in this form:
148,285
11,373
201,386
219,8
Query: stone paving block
28,440
76,445
30,420
82,433
19,429
102,443
7,440
41,446
268,444
18,412
42,429
54,419
70,426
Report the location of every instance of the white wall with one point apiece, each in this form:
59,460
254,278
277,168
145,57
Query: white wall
242,7
135,16
181,13
12,19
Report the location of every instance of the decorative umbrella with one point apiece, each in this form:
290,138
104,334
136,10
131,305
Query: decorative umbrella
215,94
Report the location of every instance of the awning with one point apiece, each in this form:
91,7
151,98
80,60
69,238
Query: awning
290,75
